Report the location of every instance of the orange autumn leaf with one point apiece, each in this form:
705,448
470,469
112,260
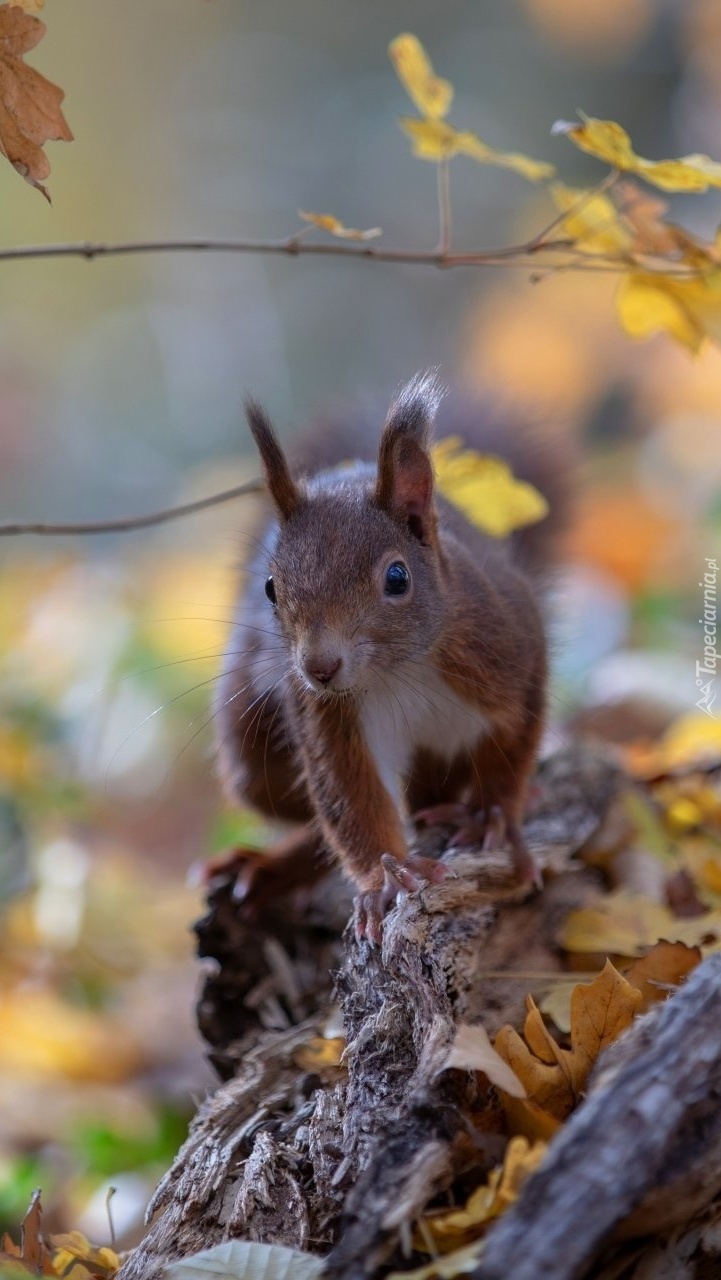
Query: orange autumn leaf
30,113
555,1078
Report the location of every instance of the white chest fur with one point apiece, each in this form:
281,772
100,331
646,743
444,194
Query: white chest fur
411,708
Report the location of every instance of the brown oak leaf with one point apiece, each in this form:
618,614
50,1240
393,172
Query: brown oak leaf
30,112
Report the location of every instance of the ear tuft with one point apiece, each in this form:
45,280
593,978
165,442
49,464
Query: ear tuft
281,485
414,409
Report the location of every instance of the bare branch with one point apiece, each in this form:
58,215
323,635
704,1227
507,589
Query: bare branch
133,522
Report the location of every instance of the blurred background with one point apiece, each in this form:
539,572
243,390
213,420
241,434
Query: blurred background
120,386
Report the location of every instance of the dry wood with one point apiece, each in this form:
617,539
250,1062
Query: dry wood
344,1158
642,1155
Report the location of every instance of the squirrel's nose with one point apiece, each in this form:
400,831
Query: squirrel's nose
322,667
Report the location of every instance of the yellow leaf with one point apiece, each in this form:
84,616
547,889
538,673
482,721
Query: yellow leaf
690,310
430,94
608,141
626,924
30,112
459,1263
693,739
437,140
29,6
620,923
485,489
555,1078
320,1052
448,1229
74,1248
592,221
327,222
472,1051
42,1036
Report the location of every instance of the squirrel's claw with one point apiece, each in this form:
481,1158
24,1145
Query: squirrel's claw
408,876
490,829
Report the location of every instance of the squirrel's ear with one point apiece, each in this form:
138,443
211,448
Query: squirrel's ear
282,487
405,472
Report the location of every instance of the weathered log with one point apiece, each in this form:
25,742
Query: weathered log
639,1157
345,1159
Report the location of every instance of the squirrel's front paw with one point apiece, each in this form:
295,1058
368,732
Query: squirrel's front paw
370,908
487,829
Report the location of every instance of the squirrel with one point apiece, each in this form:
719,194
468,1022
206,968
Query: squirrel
388,660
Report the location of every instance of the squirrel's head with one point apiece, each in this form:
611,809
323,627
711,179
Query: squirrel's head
354,577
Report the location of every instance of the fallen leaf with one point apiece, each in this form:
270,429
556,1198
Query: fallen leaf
30,113
438,140
485,489
459,1263
246,1260
327,222
662,968
555,1078
43,1036
447,1228
694,739
73,1248
320,1052
430,94
31,1258
472,1051
607,140
623,923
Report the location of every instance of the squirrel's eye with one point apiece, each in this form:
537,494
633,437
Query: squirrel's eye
398,579
270,590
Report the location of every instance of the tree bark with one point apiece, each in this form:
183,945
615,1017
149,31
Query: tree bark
340,1159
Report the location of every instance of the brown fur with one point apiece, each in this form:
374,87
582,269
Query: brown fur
469,634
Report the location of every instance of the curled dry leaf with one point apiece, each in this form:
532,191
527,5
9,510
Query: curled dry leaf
607,140
447,1229
30,113
485,489
661,969
327,222
472,1051
555,1078
654,974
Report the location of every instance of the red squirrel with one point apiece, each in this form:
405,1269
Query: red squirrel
388,659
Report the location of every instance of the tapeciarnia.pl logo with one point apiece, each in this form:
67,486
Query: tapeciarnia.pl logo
706,671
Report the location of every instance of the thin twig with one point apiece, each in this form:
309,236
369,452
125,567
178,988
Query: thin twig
520,255
133,522
445,223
